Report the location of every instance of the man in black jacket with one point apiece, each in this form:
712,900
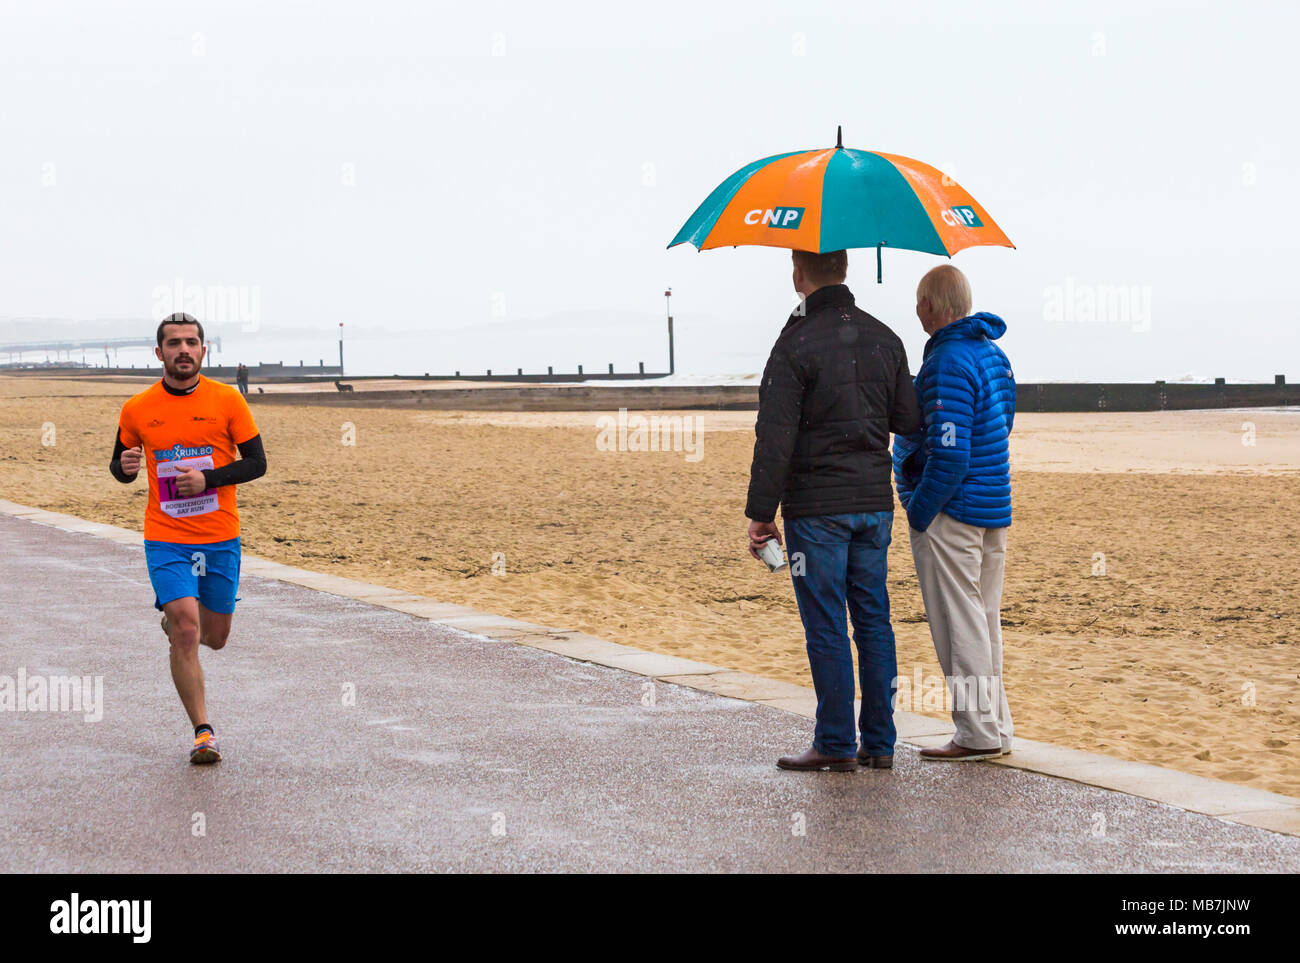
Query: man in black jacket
835,386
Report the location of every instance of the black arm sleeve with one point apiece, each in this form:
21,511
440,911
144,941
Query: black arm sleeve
780,407
251,464
115,466
905,413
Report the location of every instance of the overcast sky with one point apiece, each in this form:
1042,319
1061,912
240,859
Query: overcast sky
512,172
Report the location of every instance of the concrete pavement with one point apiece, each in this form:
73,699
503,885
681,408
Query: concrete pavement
363,739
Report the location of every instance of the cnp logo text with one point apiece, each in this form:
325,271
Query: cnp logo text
786,217
963,216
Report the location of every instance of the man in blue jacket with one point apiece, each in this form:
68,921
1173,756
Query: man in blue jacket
954,480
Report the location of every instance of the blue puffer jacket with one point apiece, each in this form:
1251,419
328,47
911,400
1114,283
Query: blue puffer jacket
960,464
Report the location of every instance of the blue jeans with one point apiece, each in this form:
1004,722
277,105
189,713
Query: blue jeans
844,564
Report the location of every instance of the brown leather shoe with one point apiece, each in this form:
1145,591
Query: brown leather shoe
814,761
955,753
875,762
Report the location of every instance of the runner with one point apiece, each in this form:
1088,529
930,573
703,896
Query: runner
185,430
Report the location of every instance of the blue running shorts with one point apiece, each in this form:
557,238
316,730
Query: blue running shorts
208,572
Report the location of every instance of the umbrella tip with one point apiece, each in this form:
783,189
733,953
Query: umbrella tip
839,136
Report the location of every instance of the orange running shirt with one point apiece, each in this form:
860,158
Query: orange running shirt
199,430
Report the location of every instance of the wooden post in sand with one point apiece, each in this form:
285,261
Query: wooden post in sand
668,310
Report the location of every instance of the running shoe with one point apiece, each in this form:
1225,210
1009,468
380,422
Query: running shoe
205,749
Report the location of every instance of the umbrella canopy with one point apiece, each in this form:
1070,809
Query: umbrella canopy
837,198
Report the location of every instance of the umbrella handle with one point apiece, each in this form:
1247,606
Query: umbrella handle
879,265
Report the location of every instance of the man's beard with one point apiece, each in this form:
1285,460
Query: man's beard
177,374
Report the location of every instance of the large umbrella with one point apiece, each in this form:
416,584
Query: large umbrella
837,198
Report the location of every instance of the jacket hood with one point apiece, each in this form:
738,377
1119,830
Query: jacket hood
979,325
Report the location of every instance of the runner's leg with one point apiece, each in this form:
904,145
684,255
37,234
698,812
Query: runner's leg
214,627
218,591
183,625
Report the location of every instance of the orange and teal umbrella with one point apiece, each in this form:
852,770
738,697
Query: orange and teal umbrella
838,198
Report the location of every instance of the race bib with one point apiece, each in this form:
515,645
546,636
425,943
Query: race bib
177,461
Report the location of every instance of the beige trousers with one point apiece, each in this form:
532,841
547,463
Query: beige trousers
960,569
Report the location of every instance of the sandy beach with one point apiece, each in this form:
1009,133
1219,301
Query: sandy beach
1151,606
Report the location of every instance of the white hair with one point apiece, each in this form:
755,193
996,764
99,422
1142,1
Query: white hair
948,291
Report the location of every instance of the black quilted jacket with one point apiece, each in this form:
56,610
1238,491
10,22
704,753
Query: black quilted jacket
834,388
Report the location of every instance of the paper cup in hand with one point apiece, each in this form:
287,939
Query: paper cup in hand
772,555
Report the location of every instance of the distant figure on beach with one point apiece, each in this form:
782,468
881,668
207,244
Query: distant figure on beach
954,480
341,386
835,386
241,378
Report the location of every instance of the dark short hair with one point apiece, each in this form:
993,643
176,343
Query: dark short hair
179,318
829,268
